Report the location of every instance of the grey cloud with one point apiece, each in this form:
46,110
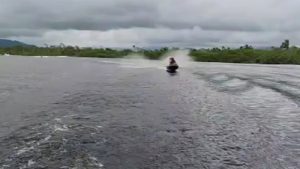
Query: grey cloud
232,15
144,37
151,22
6,33
75,14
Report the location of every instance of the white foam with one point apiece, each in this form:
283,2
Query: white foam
109,62
58,120
30,163
47,138
41,56
5,166
70,115
139,61
24,150
220,78
64,151
284,88
60,128
8,159
95,162
235,83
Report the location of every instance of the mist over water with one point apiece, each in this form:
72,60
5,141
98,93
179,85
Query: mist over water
129,113
181,56
139,61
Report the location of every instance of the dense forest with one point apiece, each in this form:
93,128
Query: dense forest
247,54
283,54
81,52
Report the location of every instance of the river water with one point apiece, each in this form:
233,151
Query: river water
79,113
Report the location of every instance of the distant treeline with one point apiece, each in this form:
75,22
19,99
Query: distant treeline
81,52
245,54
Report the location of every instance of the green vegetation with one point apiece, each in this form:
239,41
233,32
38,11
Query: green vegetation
80,52
154,54
247,54
64,51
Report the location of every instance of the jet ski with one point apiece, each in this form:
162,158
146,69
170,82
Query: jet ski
172,68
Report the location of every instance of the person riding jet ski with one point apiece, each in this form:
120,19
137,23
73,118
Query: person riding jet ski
173,66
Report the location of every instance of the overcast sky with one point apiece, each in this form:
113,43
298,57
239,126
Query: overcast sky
151,23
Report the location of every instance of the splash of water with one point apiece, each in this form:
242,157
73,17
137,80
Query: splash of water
139,61
181,56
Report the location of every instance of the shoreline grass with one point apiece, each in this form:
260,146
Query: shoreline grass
244,54
258,56
83,52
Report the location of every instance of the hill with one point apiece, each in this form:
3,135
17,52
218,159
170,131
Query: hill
4,43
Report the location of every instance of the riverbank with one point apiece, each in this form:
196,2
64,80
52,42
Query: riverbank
259,56
226,55
83,52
